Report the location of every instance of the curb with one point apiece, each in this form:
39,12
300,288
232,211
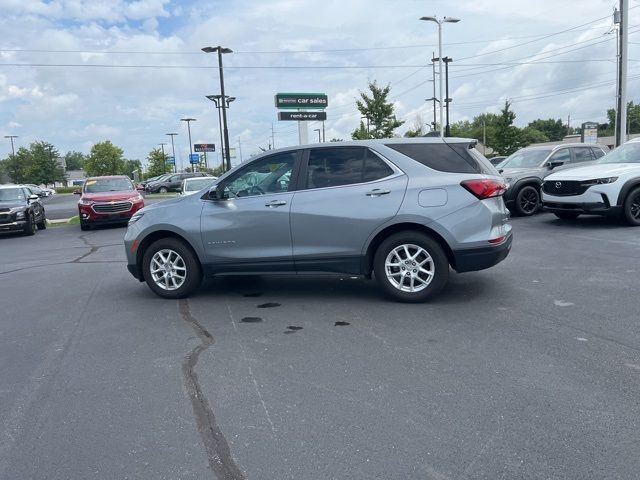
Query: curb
58,220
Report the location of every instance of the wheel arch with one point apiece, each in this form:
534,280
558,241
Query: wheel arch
386,232
626,188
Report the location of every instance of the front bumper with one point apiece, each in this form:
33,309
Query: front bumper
13,226
594,208
473,259
88,215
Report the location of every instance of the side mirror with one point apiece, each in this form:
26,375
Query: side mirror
76,191
216,192
556,163
33,197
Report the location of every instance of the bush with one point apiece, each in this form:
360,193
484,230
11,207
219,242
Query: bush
66,189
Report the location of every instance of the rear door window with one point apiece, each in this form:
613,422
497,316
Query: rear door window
597,152
453,158
582,154
335,167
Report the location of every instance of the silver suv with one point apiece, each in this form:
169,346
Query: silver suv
403,210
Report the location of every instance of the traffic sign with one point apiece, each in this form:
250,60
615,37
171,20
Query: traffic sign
204,147
194,158
301,100
302,116
171,160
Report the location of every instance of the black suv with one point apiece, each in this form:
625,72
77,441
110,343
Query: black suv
172,183
21,209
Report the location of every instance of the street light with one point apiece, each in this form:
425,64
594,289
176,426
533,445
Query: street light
189,120
164,158
319,138
173,149
217,100
11,137
220,51
440,22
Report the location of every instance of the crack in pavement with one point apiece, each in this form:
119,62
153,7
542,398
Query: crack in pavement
218,452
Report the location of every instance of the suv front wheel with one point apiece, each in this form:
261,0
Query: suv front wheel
171,269
527,201
411,267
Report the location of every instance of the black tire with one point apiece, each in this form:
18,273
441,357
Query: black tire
30,227
527,201
438,262
189,262
42,224
631,208
163,190
84,226
566,215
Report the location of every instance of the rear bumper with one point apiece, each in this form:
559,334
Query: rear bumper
471,260
594,208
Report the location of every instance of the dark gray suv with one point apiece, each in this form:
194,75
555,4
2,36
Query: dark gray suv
404,210
172,183
525,170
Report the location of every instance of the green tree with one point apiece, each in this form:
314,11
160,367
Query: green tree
74,160
157,163
507,139
379,112
417,129
130,166
36,164
554,130
529,135
105,159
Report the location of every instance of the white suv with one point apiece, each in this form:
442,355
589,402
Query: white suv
609,187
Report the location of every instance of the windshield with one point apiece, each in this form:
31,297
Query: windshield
98,185
198,184
11,194
627,153
526,158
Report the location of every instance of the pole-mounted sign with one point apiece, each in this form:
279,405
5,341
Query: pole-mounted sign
194,158
301,100
204,147
302,116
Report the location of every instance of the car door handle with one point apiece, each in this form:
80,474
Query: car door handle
376,192
275,203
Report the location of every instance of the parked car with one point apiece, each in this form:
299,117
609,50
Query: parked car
172,182
525,170
20,209
36,190
402,209
497,160
195,184
108,200
611,186
142,185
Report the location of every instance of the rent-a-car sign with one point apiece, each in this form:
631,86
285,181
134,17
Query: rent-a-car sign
301,100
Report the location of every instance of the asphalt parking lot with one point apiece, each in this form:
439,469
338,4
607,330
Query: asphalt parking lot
530,369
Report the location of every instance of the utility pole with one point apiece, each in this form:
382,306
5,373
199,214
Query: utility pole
433,66
569,124
616,27
484,137
189,120
323,138
447,60
621,136
173,149
273,140
11,137
240,149
318,130
164,158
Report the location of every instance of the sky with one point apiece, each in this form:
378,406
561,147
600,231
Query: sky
76,72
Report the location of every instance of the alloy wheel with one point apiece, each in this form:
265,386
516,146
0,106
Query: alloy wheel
529,201
635,207
168,269
409,268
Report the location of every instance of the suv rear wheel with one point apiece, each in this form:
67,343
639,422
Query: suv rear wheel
171,269
527,201
411,267
163,190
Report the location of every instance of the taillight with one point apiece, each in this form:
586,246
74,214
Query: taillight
485,187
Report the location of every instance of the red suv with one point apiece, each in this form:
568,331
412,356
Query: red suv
108,200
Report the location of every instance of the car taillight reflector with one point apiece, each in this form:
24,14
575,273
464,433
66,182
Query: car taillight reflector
485,187
496,241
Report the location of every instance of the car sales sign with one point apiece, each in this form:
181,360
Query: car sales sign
204,147
302,100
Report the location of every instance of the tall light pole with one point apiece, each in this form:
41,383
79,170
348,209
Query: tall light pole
11,137
173,149
217,100
189,120
440,22
319,138
220,51
164,158
621,136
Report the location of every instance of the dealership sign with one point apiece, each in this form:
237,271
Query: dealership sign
204,147
302,116
301,100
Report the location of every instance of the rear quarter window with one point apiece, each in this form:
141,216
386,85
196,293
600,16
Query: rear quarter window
452,158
